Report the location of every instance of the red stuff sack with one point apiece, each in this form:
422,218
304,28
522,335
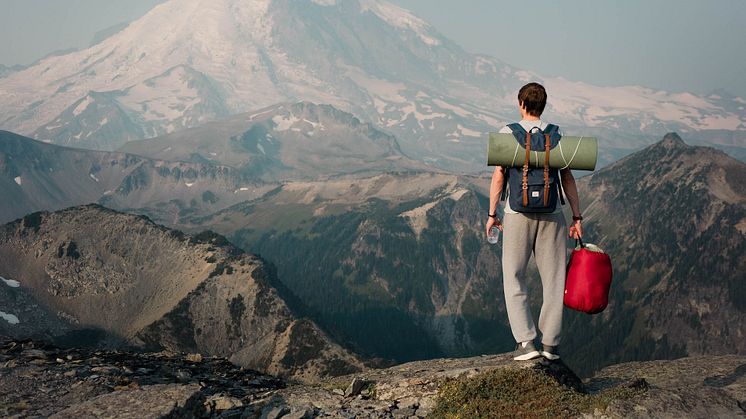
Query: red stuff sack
588,279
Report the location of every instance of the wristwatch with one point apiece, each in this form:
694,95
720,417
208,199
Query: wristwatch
578,218
492,215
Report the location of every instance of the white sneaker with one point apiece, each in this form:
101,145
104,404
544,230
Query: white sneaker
550,352
525,351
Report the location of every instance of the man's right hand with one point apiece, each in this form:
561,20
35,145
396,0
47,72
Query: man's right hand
493,222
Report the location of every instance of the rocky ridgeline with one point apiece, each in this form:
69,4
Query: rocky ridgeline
89,276
41,380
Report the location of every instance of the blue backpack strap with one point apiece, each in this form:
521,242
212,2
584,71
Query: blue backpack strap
504,193
518,132
517,127
520,135
553,131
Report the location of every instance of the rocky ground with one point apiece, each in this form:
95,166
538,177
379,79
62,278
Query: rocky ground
37,380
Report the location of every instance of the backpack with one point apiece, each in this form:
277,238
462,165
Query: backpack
534,189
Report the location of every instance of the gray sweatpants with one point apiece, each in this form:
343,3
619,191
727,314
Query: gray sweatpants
544,235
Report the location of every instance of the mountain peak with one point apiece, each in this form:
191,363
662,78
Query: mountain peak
672,140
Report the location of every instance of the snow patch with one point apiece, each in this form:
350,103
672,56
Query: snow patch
82,106
400,18
253,116
189,185
453,108
18,180
93,177
469,132
524,75
313,124
283,123
10,282
9,318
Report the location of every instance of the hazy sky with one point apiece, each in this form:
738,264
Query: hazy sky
679,45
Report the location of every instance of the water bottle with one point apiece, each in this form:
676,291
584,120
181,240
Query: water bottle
493,235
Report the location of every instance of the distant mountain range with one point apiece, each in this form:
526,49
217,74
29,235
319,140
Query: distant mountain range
209,60
35,176
199,171
403,255
92,276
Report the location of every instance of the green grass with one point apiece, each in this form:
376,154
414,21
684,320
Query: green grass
519,393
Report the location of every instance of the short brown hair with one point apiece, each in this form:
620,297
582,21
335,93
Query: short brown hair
533,97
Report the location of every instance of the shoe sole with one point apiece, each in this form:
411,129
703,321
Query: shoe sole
527,357
550,356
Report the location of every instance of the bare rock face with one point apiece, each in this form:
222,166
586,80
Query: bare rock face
150,401
89,275
41,380
704,386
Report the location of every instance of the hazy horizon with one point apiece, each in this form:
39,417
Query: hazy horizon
634,43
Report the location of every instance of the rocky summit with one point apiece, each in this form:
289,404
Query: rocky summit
42,380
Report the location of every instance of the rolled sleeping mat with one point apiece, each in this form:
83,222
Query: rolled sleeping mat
577,153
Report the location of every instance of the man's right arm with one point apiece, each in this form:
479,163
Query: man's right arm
496,188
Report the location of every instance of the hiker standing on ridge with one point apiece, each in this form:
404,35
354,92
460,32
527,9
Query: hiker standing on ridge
534,222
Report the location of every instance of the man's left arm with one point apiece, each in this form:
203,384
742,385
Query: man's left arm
571,192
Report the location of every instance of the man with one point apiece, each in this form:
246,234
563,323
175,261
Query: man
540,233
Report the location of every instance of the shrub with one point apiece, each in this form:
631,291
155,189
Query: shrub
524,393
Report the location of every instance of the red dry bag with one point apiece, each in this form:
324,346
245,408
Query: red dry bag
588,280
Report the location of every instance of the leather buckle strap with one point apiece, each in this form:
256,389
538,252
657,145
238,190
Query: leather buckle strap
546,171
525,168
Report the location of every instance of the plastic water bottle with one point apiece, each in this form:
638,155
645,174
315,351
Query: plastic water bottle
493,235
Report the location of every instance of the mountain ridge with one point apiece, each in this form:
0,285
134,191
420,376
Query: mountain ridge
671,217
39,176
122,280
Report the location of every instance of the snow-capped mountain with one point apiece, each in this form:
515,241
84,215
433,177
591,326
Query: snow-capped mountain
190,61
